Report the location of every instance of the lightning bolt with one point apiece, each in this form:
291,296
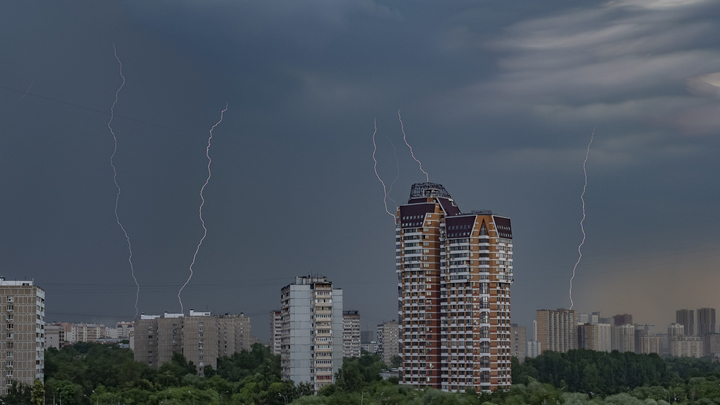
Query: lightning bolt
582,198
25,94
376,172
202,221
117,197
402,127
397,163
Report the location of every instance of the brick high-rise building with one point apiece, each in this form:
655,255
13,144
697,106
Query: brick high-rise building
22,335
686,318
454,274
557,330
706,321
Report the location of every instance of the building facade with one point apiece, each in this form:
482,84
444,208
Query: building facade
624,338
454,274
705,321
622,319
650,344
588,338
557,330
519,342
275,331
387,341
687,346
312,329
23,333
201,337
351,334
686,318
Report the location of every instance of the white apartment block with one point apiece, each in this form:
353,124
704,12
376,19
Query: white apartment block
351,334
23,333
312,330
686,346
275,331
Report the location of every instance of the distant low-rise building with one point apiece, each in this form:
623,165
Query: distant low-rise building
687,346
650,344
711,344
201,337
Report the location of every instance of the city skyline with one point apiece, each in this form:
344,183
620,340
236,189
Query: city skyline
498,102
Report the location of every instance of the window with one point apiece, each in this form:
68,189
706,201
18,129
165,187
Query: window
10,299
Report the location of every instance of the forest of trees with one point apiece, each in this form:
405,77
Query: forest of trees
88,373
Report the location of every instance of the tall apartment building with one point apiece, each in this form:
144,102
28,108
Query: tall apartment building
312,330
622,319
557,330
533,347
604,337
388,334
587,338
201,337
351,334
686,318
624,338
706,321
454,274
23,333
275,331
519,342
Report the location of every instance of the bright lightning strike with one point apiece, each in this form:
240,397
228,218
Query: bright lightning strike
376,172
117,197
582,198
202,189
397,163
402,127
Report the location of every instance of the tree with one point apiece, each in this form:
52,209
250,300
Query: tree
38,393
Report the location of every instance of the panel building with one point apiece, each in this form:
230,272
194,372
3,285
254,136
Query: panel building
387,341
454,274
557,330
519,342
201,337
706,321
275,331
351,334
312,330
23,333
686,318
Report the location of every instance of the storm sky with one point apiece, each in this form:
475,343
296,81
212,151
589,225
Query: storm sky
498,101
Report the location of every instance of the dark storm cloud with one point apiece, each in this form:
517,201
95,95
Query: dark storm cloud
498,102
